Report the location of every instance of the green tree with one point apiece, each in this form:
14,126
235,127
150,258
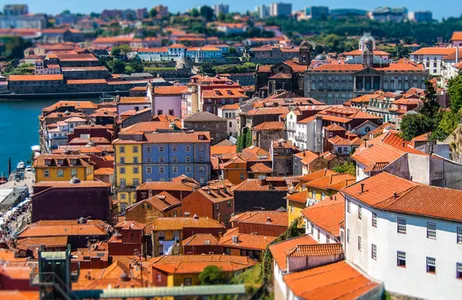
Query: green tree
121,50
153,13
347,168
194,13
455,93
449,122
116,66
415,125
248,137
430,105
207,12
14,48
212,275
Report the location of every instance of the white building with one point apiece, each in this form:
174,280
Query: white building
221,9
305,134
230,112
280,9
176,52
407,235
433,58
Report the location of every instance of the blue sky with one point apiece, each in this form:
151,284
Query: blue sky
449,8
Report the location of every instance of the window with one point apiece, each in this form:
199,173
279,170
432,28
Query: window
136,182
218,206
374,252
188,169
401,259
314,194
431,265
374,219
60,173
122,149
291,208
348,206
319,234
188,148
459,270
188,159
74,172
135,159
242,176
174,148
161,235
123,196
148,148
135,170
348,236
161,159
360,213
122,160
431,230
360,246
323,195
148,160
401,225
161,170
46,173
122,183
135,149
459,235
161,148
311,229
174,159
175,169
228,203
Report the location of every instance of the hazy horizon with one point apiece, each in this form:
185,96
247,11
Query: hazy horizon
451,8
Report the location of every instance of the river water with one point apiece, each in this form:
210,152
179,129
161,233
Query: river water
19,126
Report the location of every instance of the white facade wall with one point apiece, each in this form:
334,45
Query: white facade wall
432,63
280,286
412,280
231,116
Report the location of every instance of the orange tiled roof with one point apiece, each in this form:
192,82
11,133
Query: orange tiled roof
261,217
266,126
302,250
104,171
170,90
51,77
456,36
48,242
165,186
201,239
246,241
130,225
218,150
281,249
333,281
316,175
184,222
126,100
391,193
260,168
327,214
299,197
434,51
64,228
332,182
193,264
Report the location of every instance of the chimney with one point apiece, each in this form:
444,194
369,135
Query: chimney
395,194
362,188
235,239
268,220
196,217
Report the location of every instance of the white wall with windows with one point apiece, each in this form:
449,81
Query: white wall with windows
413,258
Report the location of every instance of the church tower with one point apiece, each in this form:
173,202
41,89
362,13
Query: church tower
305,54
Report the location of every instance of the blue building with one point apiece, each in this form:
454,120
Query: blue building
169,154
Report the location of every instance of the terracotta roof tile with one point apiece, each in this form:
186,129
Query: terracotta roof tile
170,90
182,222
201,239
261,217
64,228
281,249
327,214
302,250
246,241
267,126
260,168
316,175
334,281
193,264
299,197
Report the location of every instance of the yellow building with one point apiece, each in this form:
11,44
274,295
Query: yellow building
295,204
128,171
62,167
327,186
184,270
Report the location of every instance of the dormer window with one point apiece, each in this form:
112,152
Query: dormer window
47,162
73,162
60,162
